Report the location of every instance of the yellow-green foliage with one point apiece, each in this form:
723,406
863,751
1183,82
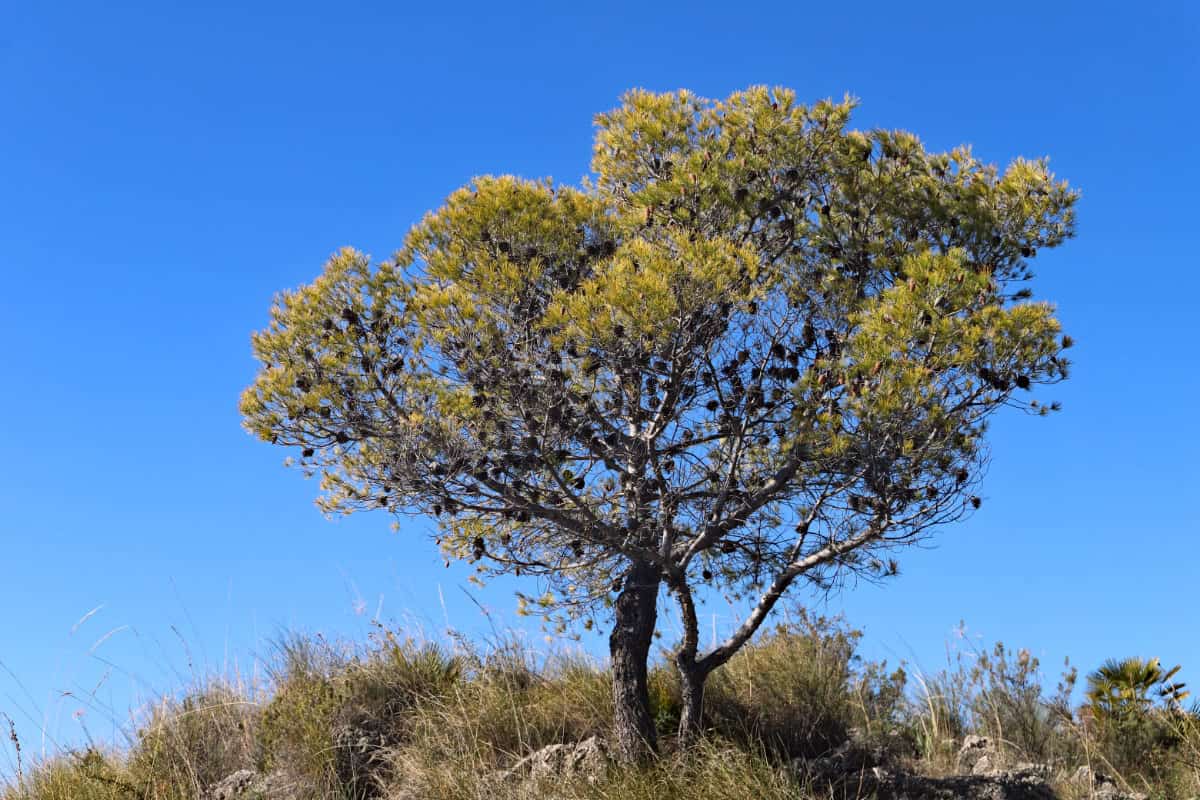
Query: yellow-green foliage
1126,687
754,316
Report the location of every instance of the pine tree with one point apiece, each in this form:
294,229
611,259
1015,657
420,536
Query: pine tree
758,349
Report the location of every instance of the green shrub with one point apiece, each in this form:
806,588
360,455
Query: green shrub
297,723
1154,750
1009,705
336,710
790,691
511,705
191,743
87,775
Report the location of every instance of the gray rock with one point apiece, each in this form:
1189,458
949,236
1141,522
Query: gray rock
851,769
1110,791
974,749
247,784
236,786
1101,786
1044,770
985,764
868,772
994,786
844,763
588,759
359,761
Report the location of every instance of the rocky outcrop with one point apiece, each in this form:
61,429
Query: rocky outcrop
235,786
359,761
588,760
977,756
998,785
247,784
856,770
1099,786
360,769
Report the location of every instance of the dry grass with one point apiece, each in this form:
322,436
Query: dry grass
189,744
399,719
800,689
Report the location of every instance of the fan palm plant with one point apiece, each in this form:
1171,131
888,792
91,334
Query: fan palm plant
1122,688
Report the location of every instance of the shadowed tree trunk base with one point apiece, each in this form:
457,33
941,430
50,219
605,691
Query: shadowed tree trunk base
629,647
691,718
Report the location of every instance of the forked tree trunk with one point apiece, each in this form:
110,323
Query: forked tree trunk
629,647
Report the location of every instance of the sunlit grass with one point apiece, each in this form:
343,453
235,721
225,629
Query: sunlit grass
403,718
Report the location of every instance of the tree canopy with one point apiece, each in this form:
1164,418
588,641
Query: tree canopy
756,347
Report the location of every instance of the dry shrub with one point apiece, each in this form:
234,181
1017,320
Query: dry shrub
188,744
86,775
1000,695
336,709
792,692
512,705
1009,705
399,719
713,771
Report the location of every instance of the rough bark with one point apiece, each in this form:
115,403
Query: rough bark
691,718
629,647
692,675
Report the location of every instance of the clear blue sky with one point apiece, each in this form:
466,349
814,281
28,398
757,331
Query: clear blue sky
165,170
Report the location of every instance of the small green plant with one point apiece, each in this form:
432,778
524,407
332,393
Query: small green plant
1133,722
939,717
1125,688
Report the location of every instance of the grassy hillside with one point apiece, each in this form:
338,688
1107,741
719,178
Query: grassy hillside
397,719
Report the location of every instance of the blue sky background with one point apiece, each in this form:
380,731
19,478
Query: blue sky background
165,169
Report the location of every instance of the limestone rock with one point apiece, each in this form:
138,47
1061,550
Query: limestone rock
985,765
844,763
863,771
588,759
1100,786
997,785
235,786
975,749
247,784
358,756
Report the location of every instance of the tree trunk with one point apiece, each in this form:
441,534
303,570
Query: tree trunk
691,719
629,647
